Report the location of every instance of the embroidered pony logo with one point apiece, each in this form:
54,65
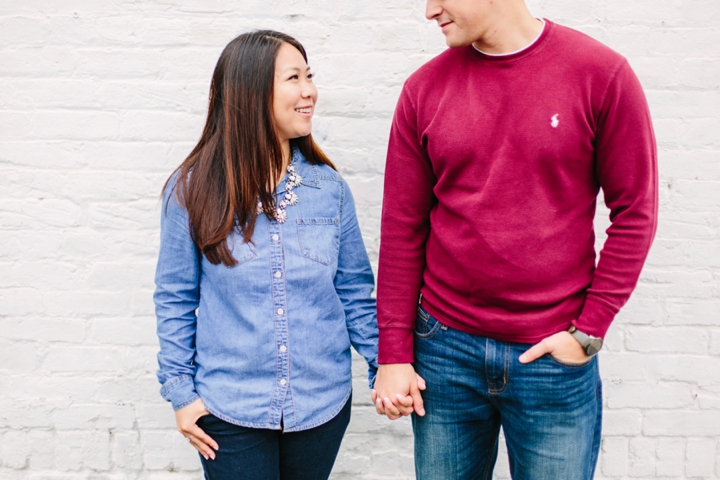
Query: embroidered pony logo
554,122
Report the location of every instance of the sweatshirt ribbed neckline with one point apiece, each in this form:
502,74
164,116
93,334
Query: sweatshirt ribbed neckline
536,46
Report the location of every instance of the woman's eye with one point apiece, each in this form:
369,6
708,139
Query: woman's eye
310,76
294,77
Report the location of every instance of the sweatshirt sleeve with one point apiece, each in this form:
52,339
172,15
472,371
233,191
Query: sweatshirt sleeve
407,201
626,168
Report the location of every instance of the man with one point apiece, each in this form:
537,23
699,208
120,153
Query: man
498,150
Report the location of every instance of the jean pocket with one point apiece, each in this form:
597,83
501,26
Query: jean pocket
319,239
213,425
426,326
207,418
569,365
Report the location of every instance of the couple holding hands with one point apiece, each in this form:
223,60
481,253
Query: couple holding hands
490,304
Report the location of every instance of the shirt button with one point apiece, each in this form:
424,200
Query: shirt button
275,237
278,274
283,382
280,311
283,348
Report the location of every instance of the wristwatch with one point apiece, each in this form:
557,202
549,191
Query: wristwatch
591,345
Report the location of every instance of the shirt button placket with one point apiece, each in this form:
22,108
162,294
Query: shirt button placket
280,314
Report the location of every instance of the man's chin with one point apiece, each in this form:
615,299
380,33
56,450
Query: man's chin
456,43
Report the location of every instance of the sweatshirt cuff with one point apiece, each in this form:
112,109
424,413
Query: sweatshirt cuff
395,346
179,391
595,318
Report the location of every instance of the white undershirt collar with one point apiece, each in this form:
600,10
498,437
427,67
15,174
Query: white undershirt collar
516,51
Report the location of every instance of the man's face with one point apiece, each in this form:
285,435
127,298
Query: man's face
462,21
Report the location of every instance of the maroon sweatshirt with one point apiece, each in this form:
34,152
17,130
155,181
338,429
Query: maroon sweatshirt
493,170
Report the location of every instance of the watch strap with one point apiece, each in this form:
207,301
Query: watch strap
591,345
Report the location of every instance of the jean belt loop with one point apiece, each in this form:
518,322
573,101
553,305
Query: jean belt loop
422,312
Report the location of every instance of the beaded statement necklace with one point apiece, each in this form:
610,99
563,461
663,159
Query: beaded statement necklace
292,180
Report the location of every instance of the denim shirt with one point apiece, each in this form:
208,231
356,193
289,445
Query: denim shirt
268,340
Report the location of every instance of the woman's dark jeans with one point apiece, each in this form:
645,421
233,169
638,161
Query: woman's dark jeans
260,454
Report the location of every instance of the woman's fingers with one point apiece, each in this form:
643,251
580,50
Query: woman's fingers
202,442
204,437
378,403
391,410
401,407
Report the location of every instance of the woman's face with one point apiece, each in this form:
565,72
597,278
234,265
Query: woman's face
294,94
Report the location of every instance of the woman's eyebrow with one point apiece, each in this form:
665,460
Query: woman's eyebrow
295,69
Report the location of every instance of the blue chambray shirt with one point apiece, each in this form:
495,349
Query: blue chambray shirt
269,338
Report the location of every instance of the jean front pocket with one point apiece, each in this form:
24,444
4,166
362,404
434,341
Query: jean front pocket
215,426
569,365
319,239
426,326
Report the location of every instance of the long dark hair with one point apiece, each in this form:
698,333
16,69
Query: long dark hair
239,154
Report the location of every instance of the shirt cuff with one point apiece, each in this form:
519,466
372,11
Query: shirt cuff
372,373
395,346
179,391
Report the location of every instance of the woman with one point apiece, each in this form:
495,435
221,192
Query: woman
263,282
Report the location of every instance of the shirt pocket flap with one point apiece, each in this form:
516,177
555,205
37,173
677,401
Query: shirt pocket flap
319,239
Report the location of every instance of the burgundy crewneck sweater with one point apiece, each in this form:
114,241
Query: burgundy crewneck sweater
493,169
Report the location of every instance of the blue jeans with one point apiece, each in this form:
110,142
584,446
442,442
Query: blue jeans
263,454
550,412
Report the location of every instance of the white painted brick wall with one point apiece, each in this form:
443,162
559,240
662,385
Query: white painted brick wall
101,99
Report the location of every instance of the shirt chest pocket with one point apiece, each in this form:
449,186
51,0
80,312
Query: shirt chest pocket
319,239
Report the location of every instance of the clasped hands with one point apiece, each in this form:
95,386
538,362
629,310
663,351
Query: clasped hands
397,386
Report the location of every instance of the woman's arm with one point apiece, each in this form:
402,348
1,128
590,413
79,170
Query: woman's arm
354,283
177,296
